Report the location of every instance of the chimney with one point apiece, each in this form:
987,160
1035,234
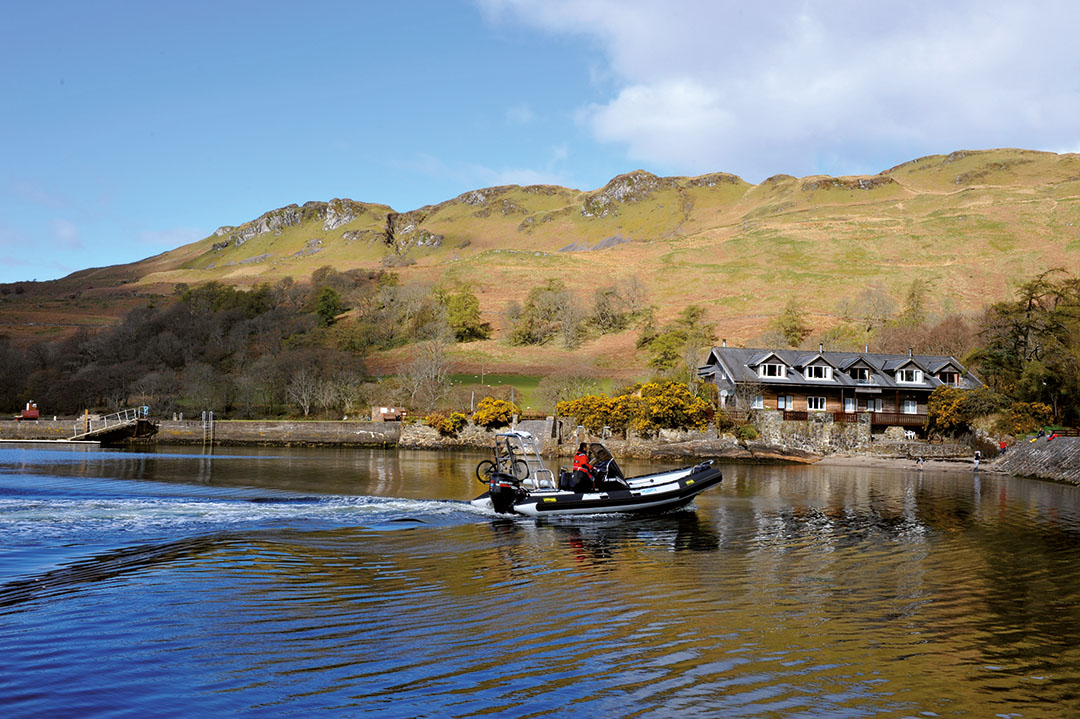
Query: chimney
910,352
723,343
866,349
820,346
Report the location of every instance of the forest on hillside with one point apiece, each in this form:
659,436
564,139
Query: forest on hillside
293,349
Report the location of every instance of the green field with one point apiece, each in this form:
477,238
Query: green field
520,389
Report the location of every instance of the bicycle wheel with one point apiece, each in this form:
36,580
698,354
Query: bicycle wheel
521,468
484,470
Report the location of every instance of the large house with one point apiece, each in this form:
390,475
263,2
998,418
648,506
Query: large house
892,388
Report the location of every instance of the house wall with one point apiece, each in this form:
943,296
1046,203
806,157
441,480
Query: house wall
835,402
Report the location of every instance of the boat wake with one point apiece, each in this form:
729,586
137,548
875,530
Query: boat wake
60,531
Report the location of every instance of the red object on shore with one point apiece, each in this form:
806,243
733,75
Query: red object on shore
31,412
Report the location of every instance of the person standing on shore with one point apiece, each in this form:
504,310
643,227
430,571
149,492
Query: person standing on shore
978,456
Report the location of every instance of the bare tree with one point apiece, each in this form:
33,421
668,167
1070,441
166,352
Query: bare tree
303,388
878,306
426,380
745,395
634,294
571,317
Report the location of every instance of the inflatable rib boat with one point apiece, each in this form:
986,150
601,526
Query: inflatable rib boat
519,483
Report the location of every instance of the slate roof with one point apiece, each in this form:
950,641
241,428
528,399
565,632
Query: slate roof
729,365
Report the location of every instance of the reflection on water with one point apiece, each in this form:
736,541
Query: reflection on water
294,582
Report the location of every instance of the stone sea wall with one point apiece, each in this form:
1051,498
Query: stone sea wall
37,429
282,433
1058,460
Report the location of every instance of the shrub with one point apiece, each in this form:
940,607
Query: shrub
447,425
725,423
1025,417
945,411
648,407
493,413
747,432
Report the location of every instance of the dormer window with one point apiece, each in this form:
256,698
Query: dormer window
909,376
818,372
861,375
949,378
772,369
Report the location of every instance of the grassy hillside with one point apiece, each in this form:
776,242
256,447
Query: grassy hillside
970,223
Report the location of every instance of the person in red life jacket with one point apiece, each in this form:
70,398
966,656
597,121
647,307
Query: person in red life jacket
582,481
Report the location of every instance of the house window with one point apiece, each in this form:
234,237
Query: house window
818,372
758,402
861,375
849,404
772,370
950,378
785,402
815,404
911,376
911,406
873,405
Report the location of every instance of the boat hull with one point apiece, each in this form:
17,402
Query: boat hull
650,493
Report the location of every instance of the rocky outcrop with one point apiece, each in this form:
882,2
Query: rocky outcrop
848,183
272,221
368,236
628,188
333,214
714,179
310,248
403,232
340,212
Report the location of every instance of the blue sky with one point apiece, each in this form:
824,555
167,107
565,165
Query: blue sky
131,128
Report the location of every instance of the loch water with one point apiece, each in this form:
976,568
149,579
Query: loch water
289,582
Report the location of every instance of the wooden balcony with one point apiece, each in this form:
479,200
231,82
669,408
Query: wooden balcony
893,419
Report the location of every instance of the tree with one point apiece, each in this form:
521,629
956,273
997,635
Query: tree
877,306
914,313
634,294
610,310
548,310
667,349
426,380
303,389
328,306
791,323
1031,346
681,346
463,313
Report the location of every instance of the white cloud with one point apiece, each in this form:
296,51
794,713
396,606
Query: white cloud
796,87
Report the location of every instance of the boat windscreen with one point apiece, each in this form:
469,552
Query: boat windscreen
600,455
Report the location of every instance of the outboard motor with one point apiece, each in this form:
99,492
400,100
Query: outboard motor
504,490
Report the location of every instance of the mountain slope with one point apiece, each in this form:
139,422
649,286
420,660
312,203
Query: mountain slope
970,224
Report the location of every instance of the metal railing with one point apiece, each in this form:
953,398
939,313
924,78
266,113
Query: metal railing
89,424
